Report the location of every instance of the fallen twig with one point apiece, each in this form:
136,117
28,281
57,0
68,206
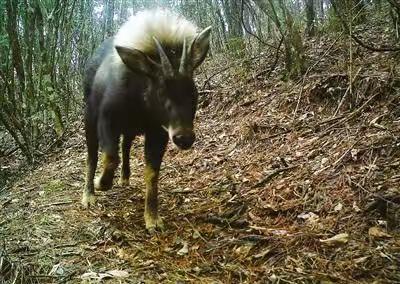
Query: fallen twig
219,221
57,204
374,123
276,134
8,153
346,152
272,175
185,190
350,116
348,90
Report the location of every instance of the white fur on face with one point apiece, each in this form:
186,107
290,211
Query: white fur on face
166,26
171,131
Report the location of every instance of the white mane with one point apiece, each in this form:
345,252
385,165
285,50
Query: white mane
169,28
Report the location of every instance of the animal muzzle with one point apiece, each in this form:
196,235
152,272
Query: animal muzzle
182,138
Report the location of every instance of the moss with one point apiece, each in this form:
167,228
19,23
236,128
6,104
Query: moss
54,186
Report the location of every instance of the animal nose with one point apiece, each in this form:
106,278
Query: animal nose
183,141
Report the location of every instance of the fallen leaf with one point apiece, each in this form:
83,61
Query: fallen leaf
339,239
243,250
324,161
118,273
57,270
361,259
148,263
338,207
278,232
355,207
376,232
90,275
309,217
122,254
354,154
196,234
184,250
382,223
108,274
262,254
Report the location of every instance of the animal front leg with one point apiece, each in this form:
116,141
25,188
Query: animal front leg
88,197
125,169
151,217
92,144
155,145
109,137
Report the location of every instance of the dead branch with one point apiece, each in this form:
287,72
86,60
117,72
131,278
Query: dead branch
57,204
272,175
350,116
348,90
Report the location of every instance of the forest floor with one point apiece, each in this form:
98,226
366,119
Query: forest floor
288,182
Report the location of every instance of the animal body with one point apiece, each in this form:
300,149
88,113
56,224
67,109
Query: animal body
140,82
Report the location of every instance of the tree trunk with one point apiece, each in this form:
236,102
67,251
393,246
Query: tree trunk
12,31
321,11
310,14
109,18
395,15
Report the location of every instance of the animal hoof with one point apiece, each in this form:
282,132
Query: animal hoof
101,186
88,200
124,182
154,224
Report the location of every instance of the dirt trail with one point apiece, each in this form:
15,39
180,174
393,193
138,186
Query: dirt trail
250,203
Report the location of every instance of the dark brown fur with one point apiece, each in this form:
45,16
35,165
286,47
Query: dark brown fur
123,101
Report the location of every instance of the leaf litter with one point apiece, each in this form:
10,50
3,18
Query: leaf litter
288,182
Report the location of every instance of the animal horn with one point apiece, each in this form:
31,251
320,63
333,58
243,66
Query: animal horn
184,66
165,63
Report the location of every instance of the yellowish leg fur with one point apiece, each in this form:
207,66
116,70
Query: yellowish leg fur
88,198
151,217
123,181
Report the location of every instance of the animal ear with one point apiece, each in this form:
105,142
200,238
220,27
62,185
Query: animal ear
136,60
200,46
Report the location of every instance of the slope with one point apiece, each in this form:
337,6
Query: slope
289,181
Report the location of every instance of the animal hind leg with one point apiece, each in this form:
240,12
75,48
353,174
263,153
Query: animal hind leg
92,144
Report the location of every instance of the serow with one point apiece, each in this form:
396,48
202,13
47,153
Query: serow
140,82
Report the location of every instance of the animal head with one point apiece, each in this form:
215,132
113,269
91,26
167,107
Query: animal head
167,54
